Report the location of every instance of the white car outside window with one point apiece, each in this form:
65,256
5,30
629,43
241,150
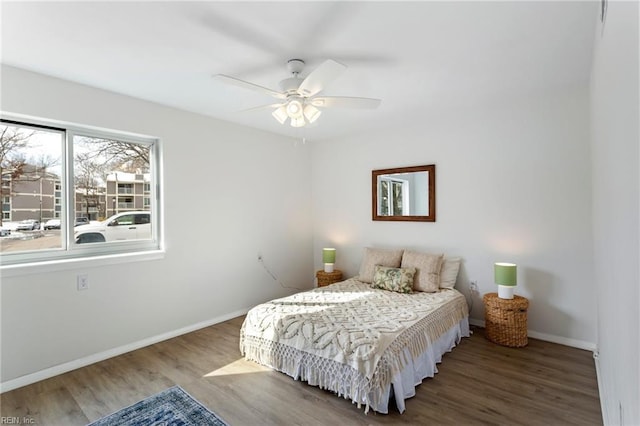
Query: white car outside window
120,227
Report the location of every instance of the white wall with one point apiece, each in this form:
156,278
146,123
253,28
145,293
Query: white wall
512,184
616,215
222,207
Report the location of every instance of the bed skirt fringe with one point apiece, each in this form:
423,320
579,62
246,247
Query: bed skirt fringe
327,374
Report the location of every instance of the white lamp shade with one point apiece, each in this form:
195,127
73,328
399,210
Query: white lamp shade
280,114
294,109
312,113
297,121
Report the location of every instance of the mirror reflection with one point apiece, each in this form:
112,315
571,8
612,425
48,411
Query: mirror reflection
405,193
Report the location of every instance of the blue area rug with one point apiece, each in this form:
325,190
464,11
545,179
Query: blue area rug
172,407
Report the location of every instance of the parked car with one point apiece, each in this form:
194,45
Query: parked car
120,227
81,221
4,232
28,225
52,224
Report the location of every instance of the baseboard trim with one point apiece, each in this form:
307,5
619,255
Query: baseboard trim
101,356
574,343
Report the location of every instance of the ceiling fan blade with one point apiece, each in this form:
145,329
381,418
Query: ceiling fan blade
321,76
261,107
345,102
245,84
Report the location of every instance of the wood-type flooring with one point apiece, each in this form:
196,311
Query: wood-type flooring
479,383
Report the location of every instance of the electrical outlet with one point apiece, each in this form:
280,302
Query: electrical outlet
83,282
473,285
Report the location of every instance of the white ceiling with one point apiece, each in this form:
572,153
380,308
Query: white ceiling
415,56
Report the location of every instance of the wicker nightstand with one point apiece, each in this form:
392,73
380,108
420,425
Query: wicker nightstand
505,320
326,278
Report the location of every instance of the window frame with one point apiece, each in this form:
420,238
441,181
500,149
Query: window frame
69,250
391,197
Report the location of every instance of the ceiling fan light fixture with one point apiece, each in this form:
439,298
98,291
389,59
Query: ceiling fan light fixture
280,114
312,113
298,101
294,109
297,121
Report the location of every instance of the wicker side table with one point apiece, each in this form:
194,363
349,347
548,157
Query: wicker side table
505,320
326,278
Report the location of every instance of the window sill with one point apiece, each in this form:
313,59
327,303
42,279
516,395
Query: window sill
77,263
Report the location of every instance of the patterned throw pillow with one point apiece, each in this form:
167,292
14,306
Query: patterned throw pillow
399,280
375,256
427,269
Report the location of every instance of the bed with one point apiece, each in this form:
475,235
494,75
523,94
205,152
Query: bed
359,340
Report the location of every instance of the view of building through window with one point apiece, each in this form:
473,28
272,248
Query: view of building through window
109,177
32,186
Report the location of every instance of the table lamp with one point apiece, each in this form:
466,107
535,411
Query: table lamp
505,275
328,258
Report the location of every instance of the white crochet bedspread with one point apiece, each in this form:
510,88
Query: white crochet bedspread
348,337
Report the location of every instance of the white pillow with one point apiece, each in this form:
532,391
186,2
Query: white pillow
427,266
382,257
449,272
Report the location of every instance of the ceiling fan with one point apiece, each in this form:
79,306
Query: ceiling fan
299,101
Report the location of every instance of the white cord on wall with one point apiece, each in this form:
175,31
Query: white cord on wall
275,278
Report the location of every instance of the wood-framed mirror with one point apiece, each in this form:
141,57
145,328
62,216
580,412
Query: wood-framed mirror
404,194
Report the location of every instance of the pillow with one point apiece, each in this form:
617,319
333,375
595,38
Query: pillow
449,272
427,268
399,280
382,257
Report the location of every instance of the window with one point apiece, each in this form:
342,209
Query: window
125,188
77,175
